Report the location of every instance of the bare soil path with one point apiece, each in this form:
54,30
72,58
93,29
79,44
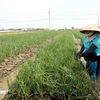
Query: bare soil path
10,66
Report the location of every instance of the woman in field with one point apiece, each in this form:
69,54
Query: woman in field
90,49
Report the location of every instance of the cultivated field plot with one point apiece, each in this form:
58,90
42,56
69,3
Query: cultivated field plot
15,43
15,48
55,74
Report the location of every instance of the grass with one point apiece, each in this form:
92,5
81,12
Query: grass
77,34
15,43
55,73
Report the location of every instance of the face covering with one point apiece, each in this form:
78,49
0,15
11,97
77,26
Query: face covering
89,34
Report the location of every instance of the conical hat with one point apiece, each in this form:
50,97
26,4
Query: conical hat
91,27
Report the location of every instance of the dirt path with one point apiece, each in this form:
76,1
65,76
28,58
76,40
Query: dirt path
4,85
10,66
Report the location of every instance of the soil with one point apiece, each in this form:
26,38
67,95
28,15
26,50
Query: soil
10,66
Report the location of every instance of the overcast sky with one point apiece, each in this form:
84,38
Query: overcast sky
34,13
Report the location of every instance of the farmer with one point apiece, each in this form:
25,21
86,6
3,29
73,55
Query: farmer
90,49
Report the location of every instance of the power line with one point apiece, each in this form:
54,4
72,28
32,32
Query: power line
76,12
16,21
52,18
52,13
25,16
72,18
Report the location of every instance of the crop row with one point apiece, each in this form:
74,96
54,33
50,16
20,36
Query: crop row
77,34
55,74
14,43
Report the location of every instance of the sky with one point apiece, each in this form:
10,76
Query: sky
52,14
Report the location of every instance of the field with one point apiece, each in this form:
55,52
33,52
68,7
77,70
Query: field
54,74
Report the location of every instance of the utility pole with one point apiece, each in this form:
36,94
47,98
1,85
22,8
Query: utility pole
98,20
49,20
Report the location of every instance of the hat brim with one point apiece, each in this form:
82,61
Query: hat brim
91,27
83,31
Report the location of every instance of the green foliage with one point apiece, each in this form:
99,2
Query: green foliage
77,34
55,73
14,43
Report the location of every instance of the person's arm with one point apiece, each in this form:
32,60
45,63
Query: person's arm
90,49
